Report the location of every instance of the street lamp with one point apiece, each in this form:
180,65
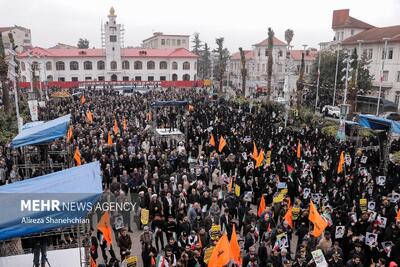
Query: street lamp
319,72
381,81
336,73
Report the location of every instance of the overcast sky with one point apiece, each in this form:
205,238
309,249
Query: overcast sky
242,23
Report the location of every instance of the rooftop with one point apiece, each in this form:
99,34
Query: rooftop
375,35
276,42
342,19
248,54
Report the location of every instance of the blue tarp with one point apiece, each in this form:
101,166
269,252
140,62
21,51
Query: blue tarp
171,103
31,124
42,133
76,185
378,123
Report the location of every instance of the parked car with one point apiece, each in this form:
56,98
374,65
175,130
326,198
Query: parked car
332,111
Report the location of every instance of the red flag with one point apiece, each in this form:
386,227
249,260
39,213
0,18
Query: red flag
153,262
261,207
290,169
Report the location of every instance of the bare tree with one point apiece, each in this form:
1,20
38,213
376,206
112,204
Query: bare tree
270,61
244,70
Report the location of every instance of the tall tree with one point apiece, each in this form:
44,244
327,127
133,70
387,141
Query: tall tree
300,83
244,70
289,33
205,62
196,47
3,77
222,54
83,43
270,61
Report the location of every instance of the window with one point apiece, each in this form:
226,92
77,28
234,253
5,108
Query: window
174,65
280,53
26,34
341,36
125,65
60,66
49,66
183,41
173,42
100,78
266,52
125,78
24,78
87,65
61,79
390,53
150,78
178,42
397,98
186,65
151,65
22,66
163,78
163,65
195,65
113,65
186,77
113,38
49,78
258,66
174,77
385,76
398,76
114,78
88,78
74,79
162,41
73,65
138,65
138,78
101,65
370,53
35,65
167,41
352,32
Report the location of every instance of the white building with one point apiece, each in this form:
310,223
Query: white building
166,41
351,33
111,63
22,37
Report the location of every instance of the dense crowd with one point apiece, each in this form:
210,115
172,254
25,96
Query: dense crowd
190,186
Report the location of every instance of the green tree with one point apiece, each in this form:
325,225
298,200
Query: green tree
222,55
270,61
204,65
300,83
3,77
289,33
243,70
83,43
196,47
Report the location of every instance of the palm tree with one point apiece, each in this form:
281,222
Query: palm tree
244,70
3,77
270,61
289,36
223,55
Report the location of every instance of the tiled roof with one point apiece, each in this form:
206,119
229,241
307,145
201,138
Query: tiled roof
375,35
4,29
296,55
342,19
276,42
98,52
248,54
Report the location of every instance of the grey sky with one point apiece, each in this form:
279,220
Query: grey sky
242,23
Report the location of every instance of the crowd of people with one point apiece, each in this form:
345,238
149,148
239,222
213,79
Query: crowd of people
197,189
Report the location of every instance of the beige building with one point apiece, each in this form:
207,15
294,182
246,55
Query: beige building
166,41
22,37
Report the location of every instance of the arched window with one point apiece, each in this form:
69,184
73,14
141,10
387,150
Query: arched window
186,65
174,77
195,65
174,65
163,65
74,65
151,65
101,65
113,65
114,77
186,77
35,65
60,65
138,65
87,65
125,65
22,66
49,78
24,78
49,66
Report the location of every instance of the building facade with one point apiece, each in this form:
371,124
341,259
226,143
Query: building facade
166,41
110,63
22,37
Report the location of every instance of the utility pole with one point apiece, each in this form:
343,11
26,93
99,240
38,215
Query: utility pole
319,72
381,81
336,73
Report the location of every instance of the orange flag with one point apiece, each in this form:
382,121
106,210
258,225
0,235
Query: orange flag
115,127
77,157
255,152
230,185
398,215
222,144
298,149
153,262
69,133
105,227
212,141
92,262
260,159
235,248
83,99
89,116
221,254
124,125
109,139
261,207
288,217
319,222
341,163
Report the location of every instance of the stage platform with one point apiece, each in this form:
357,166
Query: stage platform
171,136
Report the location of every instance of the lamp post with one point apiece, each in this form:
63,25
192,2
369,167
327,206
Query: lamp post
336,73
381,81
13,77
319,71
358,62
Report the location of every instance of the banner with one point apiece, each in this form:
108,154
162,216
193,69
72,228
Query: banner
363,204
144,216
215,231
207,254
319,258
237,190
268,163
131,261
33,109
